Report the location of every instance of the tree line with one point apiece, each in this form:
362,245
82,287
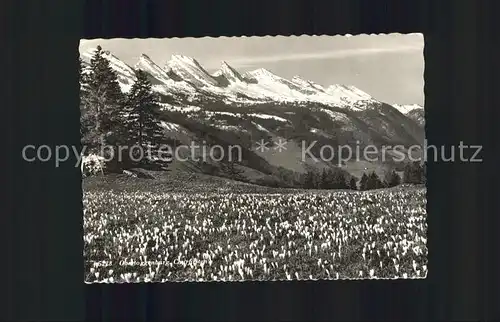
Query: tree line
332,178
414,173
118,120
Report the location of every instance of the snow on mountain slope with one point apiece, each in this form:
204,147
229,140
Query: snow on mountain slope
166,84
272,87
184,75
191,71
260,128
146,64
406,108
229,73
267,116
239,115
125,73
267,86
179,109
339,95
307,84
351,96
418,115
264,86
169,126
278,85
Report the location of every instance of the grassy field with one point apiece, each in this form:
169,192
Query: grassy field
205,230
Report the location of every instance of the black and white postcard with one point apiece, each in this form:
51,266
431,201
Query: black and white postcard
253,158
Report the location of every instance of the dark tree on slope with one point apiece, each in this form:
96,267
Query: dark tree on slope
353,184
326,180
392,179
231,169
374,181
332,179
414,173
80,68
207,167
287,177
339,180
142,125
101,101
363,183
87,117
105,93
312,179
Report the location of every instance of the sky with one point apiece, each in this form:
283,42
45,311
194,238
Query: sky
389,67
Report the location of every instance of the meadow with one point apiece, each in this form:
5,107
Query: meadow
147,236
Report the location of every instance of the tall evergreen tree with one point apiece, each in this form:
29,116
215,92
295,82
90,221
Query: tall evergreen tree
286,175
90,136
325,182
231,169
392,179
408,173
414,173
141,117
363,183
307,180
373,181
353,184
311,180
85,117
377,182
102,100
339,180
80,68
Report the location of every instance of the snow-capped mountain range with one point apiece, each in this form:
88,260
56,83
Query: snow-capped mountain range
241,108
184,75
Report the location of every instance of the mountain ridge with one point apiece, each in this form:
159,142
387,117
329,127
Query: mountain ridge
188,70
228,107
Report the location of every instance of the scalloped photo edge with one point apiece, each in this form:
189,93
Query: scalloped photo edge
233,159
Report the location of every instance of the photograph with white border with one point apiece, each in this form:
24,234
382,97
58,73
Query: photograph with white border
252,158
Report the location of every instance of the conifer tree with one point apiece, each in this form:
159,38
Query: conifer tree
325,182
339,181
231,169
388,178
363,183
85,123
353,184
373,181
107,95
414,173
345,182
80,68
380,183
418,171
88,117
310,180
141,119
408,173
285,175
392,179
102,101
396,179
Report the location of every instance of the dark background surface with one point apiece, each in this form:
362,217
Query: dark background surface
42,221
